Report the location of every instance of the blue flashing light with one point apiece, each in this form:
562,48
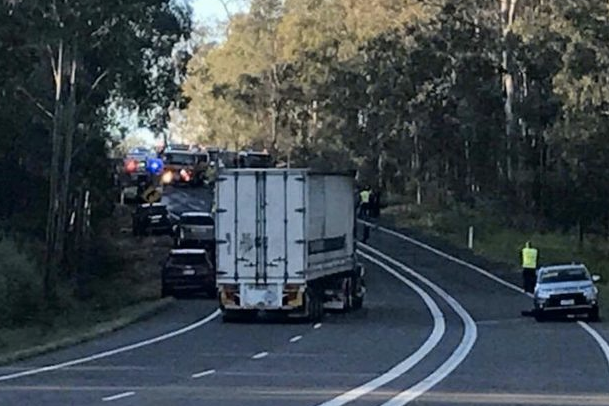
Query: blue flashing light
154,165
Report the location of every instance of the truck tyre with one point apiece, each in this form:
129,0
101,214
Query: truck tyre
357,302
315,306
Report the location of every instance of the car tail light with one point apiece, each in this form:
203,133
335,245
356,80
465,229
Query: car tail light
131,166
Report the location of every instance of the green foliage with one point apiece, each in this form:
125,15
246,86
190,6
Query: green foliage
21,296
415,96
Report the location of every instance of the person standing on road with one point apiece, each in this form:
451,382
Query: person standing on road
364,197
529,267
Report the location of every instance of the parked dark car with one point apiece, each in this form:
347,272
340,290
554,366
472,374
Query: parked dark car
151,218
188,270
195,230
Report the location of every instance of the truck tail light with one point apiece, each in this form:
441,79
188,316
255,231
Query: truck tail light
292,295
229,294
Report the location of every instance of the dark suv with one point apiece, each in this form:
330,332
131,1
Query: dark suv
151,218
188,270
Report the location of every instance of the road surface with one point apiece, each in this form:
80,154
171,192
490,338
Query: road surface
433,332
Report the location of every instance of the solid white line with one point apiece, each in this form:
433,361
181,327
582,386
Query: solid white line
316,326
600,340
204,373
115,351
448,256
470,335
260,355
295,339
119,396
407,364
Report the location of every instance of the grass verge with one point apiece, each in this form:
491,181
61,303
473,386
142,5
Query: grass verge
117,283
498,242
25,342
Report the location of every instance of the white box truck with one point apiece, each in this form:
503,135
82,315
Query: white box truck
285,242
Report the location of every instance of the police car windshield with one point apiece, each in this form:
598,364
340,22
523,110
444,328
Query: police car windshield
180,159
564,275
197,220
188,259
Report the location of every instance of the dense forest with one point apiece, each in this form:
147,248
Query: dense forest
498,103
65,66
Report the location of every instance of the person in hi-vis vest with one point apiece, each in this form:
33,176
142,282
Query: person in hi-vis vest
530,256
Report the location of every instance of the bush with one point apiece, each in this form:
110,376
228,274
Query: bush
21,292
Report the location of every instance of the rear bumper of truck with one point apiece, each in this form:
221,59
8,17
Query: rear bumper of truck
267,297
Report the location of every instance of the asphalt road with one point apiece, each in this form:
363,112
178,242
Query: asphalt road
431,329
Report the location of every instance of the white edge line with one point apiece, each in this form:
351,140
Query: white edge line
470,334
115,351
117,397
295,339
411,361
260,355
316,326
204,373
604,346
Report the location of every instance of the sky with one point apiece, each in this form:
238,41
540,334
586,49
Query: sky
205,10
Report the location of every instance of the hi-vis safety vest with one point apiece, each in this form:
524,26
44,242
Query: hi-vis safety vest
529,258
364,196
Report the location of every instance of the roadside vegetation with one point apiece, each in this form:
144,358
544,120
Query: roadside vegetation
116,278
72,77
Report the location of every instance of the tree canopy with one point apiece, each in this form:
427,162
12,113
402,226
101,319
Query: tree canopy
465,100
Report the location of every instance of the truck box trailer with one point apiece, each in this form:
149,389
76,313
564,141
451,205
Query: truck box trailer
285,242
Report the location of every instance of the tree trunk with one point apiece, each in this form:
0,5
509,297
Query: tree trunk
53,203
508,8
70,128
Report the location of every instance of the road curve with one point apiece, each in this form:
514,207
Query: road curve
509,360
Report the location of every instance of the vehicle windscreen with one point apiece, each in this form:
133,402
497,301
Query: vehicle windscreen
180,159
197,221
213,155
565,275
187,259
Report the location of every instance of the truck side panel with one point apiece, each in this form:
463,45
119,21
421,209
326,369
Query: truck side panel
331,225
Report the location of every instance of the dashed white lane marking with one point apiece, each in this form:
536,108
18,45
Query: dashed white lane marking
260,355
117,397
602,343
316,326
115,351
400,369
204,373
295,339
470,335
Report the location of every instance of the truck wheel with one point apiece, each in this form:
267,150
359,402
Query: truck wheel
315,306
347,294
357,302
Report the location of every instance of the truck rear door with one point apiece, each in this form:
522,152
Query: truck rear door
283,224
260,225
